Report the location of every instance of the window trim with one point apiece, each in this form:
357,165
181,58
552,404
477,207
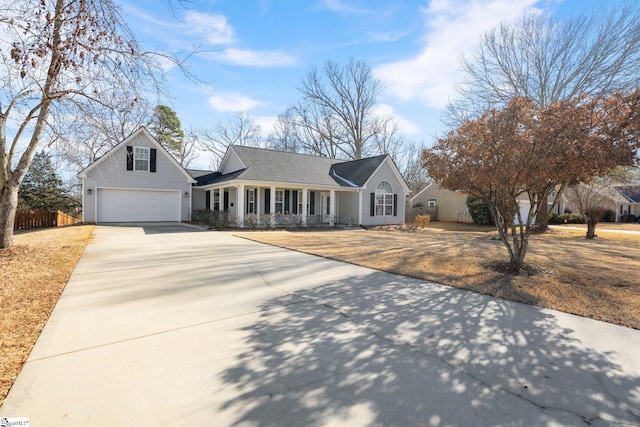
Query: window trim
279,201
136,158
383,205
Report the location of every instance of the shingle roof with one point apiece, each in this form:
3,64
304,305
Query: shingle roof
630,192
198,172
356,172
285,167
281,166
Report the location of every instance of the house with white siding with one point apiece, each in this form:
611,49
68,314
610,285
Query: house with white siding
139,181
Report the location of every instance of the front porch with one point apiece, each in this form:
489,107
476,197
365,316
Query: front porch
260,206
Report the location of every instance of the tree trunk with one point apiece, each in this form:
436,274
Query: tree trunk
591,228
8,206
520,243
542,221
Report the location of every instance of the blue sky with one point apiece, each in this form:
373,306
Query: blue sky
259,50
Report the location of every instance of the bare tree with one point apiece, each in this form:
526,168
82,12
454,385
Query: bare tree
241,130
285,135
96,129
188,149
58,56
548,60
593,196
336,116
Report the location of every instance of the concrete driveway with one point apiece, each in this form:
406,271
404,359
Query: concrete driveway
168,325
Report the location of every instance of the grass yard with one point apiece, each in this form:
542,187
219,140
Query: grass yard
599,279
33,273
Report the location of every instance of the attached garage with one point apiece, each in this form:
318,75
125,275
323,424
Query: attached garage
127,205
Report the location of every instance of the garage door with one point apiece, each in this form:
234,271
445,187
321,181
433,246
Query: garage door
118,205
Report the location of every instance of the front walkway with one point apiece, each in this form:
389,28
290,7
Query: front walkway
175,326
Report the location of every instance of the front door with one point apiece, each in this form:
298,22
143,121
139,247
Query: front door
325,207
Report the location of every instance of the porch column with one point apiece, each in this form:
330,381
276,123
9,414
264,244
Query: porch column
240,205
360,207
272,200
304,207
332,208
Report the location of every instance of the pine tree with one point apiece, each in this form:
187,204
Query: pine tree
166,127
42,188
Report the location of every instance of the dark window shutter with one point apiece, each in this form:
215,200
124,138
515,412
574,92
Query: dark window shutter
372,211
246,201
226,201
286,201
152,160
395,205
312,202
267,200
207,200
129,158
295,203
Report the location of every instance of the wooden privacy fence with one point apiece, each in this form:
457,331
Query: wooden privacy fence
26,219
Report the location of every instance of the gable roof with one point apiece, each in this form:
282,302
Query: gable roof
259,164
286,167
144,132
356,173
630,192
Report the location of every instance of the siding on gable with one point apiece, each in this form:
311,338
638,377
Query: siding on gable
384,173
232,164
112,173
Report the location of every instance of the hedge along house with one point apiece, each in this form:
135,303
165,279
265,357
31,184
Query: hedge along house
139,181
258,187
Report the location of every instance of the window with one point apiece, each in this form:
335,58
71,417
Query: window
384,199
279,201
432,203
141,159
216,200
300,211
251,201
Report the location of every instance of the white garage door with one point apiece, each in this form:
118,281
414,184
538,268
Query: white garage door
118,205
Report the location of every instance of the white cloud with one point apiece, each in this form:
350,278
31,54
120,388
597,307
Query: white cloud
213,27
342,6
254,58
234,102
453,28
407,127
266,124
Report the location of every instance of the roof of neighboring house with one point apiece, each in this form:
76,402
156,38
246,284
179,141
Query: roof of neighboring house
286,167
630,192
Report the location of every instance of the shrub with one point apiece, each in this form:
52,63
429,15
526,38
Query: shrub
567,219
211,218
627,218
609,216
479,211
422,220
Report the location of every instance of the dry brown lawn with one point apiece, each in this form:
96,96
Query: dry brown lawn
33,273
599,279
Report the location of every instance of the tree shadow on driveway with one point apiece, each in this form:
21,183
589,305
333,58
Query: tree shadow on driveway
381,349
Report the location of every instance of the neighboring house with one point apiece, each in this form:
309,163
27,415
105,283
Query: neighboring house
447,205
629,204
140,181
440,203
